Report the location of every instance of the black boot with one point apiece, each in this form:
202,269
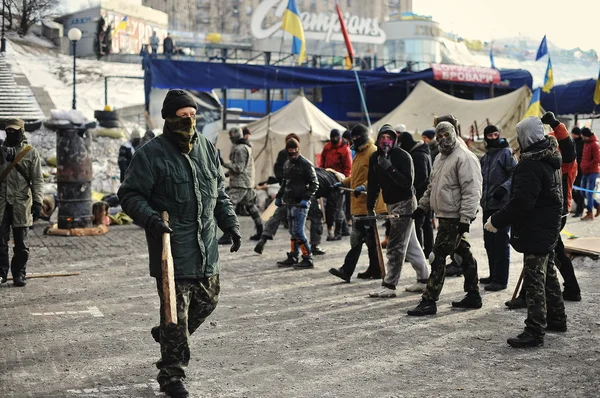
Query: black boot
556,326
155,332
425,307
175,388
525,340
519,302
484,281
225,239
19,281
3,277
259,230
306,263
339,272
260,245
571,295
453,269
292,259
471,300
495,287
317,251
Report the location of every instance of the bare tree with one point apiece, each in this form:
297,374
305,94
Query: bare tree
27,12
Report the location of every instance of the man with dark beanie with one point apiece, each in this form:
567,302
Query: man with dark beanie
578,196
179,172
429,138
497,166
298,186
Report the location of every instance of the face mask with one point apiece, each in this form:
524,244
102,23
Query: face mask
335,141
358,142
135,142
14,138
492,142
293,156
181,131
386,145
446,144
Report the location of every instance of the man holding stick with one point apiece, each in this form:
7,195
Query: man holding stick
178,172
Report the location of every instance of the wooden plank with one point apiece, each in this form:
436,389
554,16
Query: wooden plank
587,246
168,278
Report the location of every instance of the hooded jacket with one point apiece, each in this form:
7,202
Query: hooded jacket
590,160
497,166
535,206
434,150
241,165
126,152
299,181
359,176
337,157
422,164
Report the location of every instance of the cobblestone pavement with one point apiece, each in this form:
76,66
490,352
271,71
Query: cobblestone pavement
278,332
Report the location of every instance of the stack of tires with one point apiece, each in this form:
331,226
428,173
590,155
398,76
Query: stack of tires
108,119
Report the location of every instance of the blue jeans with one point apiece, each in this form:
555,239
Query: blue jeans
589,182
297,220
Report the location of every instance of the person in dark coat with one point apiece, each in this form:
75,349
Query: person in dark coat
497,166
126,152
168,47
429,138
578,196
534,213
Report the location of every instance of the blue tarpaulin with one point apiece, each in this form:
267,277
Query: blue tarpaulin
571,98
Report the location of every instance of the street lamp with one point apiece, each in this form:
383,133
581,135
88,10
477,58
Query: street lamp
3,39
74,35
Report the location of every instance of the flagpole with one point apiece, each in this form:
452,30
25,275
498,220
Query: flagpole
362,99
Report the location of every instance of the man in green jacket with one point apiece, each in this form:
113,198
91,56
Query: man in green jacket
179,172
21,196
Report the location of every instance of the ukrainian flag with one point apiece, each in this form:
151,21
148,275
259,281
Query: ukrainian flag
121,26
293,25
549,78
535,109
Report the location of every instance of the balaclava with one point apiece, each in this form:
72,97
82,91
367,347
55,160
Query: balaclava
15,132
529,132
360,136
385,145
292,143
180,131
135,138
407,142
235,134
445,135
492,143
335,137
448,118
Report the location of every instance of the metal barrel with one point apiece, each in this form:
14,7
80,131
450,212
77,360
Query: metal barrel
74,177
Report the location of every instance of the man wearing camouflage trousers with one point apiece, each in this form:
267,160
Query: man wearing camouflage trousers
534,214
453,194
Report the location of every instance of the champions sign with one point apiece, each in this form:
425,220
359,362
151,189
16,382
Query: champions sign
465,74
322,27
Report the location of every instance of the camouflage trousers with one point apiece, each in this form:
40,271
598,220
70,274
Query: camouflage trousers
543,295
247,198
447,242
196,300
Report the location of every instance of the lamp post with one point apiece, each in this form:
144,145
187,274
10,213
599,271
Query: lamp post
74,35
3,39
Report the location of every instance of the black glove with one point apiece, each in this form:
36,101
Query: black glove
36,210
463,227
7,154
418,213
384,162
236,238
550,119
500,193
157,227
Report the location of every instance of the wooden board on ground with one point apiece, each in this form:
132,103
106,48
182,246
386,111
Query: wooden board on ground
268,213
588,246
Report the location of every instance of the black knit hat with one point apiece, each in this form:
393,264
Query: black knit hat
586,132
490,129
576,131
334,133
361,130
292,143
175,100
406,140
428,133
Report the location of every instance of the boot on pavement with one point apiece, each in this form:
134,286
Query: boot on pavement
453,269
292,259
259,230
19,281
525,340
339,272
155,332
306,263
471,300
383,292
175,388
317,250
519,302
425,307
556,326
485,281
369,275
571,295
495,287
260,246
588,217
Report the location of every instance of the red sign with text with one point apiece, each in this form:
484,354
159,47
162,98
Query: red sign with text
465,74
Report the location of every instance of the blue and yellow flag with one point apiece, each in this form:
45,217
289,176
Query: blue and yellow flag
535,109
121,26
542,50
597,91
548,78
293,25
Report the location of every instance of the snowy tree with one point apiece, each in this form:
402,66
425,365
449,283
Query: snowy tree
27,12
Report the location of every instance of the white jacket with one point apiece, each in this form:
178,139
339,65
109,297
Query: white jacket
455,186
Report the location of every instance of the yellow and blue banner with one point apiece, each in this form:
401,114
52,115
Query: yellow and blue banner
535,108
121,26
293,25
548,78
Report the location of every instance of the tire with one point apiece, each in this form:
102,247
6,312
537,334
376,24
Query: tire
110,123
106,115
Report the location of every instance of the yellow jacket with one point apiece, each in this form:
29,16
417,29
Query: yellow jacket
360,173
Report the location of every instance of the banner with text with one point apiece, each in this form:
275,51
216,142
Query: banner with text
465,74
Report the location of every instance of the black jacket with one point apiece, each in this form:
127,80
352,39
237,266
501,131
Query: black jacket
326,181
497,166
125,155
282,157
422,164
535,205
579,152
395,182
299,181
168,45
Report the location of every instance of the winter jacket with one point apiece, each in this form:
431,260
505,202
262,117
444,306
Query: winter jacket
299,181
191,189
126,152
434,149
590,161
241,165
21,192
395,182
455,187
168,45
497,166
359,176
535,205
566,147
327,178
422,163
337,157
282,157
579,150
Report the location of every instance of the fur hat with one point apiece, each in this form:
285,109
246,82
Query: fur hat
175,100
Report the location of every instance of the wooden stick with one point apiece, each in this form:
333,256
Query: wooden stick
379,252
48,275
517,288
168,278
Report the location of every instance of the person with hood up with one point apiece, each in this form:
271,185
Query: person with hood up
298,186
590,167
391,171
534,212
127,150
419,152
21,199
362,230
453,194
241,181
578,196
497,166
179,172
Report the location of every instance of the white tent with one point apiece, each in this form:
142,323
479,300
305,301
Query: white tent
425,102
300,117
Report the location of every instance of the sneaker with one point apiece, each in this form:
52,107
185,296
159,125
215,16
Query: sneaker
155,332
454,269
368,275
518,303
485,281
292,259
494,287
383,292
471,300
19,281
175,388
317,251
3,278
556,326
260,246
332,238
339,272
569,295
525,340
418,287
306,263
425,307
